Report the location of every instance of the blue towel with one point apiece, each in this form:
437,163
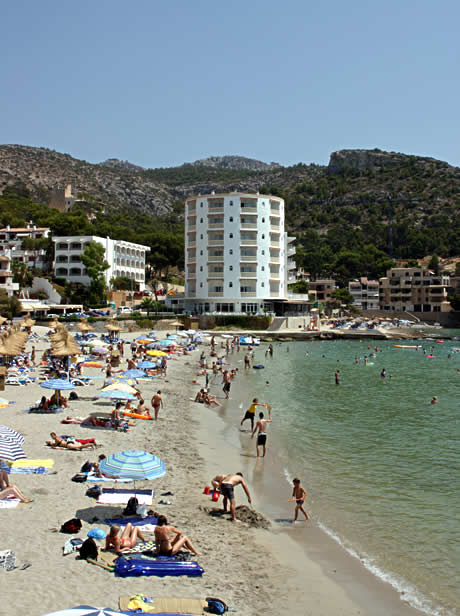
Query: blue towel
135,521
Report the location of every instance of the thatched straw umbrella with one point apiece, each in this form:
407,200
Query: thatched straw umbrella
28,323
112,328
3,320
84,326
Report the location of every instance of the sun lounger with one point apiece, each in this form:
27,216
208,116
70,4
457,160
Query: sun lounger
169,605
114,496
134,567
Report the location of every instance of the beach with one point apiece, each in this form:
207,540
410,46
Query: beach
256,571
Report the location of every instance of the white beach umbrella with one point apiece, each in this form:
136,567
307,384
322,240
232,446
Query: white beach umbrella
86,610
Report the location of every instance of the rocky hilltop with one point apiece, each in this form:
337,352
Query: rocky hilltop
122,165
235,162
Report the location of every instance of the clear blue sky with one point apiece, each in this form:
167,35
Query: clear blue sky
162,82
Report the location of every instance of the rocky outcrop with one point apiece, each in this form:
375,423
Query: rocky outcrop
122,165
344,160
235,162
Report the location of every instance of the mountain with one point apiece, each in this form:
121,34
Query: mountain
235,162
402,205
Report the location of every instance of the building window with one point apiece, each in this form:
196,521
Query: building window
201,204
263,219
201,268
231,251
263,236
201,252
231,218
263,284
231,202
263,252
201,220
230,284
263,268
201,236
231,268
231,236
201,284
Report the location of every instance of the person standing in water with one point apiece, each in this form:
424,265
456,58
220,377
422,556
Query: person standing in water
337,377
261,428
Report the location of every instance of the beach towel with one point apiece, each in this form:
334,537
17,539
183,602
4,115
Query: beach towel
47,463
121,497
29,470
133,567
168,605
9,503
134,521
96,479
141,546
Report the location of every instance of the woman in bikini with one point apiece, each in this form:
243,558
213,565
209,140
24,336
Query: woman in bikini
126,541
167,547
69,442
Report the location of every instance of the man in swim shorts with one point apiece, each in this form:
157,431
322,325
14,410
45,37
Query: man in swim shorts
261,427
226,484
157,401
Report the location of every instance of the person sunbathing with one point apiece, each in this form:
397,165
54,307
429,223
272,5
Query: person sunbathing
126,541
142,408
98,422
165,545
69,442
200,396
210,400
44,404
7,491
60,401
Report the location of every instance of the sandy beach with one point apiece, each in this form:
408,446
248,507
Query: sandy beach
256,571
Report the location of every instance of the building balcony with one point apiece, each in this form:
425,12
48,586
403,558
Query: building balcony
191,243
212,243
215,293
248,293
191,294
291,264
252,242
275,212
248,225
248,274
291,251
191,259
248,209
274,244
274,293
251,258
191,228
215,209
274,259
274,228
291,279
216,225
191,275
274,276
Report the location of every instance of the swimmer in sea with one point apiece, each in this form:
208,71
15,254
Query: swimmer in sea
434,400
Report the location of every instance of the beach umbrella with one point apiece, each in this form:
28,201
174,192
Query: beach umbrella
87,610
144,340
145,365
58,385
11,434
172,337
117,394
99,350
120,387
156,353
10,449
3,403
119,379
167,342
100,343
133,464
92,364
134,374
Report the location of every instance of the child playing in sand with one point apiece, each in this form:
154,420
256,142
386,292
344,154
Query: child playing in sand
299,494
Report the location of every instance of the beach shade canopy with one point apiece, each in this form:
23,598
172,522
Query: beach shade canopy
145,365
120,387
133,374
10,450
117,394
11,434
87,610
133,464
92,364
57,384
156,353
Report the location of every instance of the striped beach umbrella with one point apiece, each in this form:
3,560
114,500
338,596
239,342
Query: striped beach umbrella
11,450
12,434
133,464
116,394
120,387
133,374
57,384
87,610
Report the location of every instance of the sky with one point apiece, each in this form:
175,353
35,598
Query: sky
160,83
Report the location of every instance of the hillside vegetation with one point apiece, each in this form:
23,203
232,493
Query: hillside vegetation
340,213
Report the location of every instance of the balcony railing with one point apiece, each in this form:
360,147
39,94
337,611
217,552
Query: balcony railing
291,264
248,274
191,259
215,209
248,257
216,225
275,227
275,275
249,242
274,244
291,251
215,293
250,209
191,243
191,294
274,259
212,242
248,293
248,225
275,212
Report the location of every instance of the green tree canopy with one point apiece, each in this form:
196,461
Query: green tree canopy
93,258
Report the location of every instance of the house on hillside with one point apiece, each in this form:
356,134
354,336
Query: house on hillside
13,241
365,293
414,289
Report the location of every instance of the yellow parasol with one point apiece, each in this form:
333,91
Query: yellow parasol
156,353
120,386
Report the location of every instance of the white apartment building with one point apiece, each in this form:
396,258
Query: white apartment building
414,289
365,293
124,259
11,243
238,257
6,275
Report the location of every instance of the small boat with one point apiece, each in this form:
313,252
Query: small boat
406,346
249,341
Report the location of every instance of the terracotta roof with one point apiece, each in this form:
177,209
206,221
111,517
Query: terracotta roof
18,229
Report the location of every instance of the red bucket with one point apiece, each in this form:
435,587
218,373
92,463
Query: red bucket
215,496
207,490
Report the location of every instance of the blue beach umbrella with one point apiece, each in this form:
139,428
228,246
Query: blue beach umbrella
11,434
145,365
133,374
172,336
87,610
166,342
11,450
117,394
57,385
133,464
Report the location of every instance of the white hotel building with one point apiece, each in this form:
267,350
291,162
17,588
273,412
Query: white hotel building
124,259
238,257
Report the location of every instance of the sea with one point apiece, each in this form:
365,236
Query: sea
379,461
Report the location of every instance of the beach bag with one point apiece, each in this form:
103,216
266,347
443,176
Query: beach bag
88,549
94,491
79,478
216,606
87,467
131,506
71,526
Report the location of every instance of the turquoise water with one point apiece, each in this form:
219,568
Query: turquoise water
379,461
